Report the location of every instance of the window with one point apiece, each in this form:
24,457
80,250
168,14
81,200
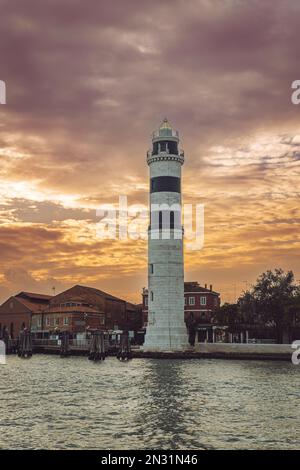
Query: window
172,220
152,296
47,321
185,301
165,146
102,319
39,321
66,321
160,220
151,268
191,300
57,321
203,300
71,304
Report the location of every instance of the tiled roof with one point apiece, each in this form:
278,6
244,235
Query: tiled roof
33,306
92,295
100,292
105,294
194,286
32,295
34,302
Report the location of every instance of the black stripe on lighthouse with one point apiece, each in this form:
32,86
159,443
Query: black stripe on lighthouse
165,183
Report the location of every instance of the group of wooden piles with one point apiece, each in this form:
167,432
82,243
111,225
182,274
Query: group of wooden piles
124,353
97,352
25,344
97,347
22,346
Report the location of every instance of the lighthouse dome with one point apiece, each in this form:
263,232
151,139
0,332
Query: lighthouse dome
165,130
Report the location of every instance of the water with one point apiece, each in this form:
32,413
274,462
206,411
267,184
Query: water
53,403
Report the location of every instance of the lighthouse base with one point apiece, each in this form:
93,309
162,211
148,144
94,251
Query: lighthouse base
165,339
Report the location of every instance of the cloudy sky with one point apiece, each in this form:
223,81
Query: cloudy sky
88,81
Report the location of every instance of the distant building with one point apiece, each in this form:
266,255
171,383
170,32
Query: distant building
16,313
81,307
200,303
76,310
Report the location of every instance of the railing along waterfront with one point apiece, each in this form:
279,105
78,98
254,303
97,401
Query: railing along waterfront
12,345
73,343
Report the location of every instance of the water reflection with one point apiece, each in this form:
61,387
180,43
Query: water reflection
163,413
53,403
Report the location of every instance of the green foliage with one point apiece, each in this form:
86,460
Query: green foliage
274,300
227,314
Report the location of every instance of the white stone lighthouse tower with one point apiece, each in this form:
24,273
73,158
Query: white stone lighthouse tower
166,330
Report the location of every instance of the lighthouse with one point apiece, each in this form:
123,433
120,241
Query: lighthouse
166,330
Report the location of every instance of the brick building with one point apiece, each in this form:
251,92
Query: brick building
76,310
200,304
16,313
81,308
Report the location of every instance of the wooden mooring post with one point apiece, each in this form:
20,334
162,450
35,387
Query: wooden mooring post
25,344
97,347
11,345
65,344
124,353
5,338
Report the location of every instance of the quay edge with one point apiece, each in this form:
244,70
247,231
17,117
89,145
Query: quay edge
271,352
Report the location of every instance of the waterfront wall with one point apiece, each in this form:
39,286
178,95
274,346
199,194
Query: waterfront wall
244,351
239,351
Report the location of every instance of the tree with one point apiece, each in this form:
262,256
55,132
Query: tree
227,314
270,300
247,309
293,309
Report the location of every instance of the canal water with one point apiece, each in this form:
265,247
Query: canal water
53,403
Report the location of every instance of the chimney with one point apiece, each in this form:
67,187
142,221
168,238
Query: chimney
205,286
210,287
